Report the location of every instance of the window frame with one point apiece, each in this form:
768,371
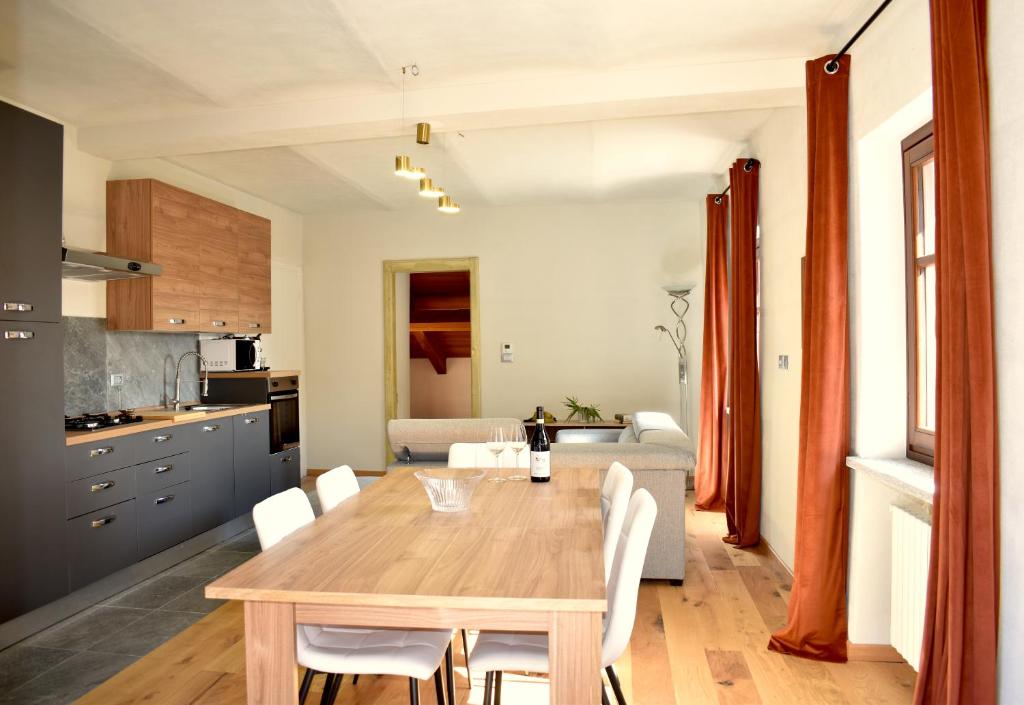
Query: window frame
917,147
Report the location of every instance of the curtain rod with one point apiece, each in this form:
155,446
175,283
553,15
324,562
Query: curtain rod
832,66
746,167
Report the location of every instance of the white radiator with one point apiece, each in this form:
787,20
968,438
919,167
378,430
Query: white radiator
911,548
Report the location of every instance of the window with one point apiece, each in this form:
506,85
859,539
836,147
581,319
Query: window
919,217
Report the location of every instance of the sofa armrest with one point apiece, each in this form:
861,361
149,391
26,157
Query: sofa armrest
588,435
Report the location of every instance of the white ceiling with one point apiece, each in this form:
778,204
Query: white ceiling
299,102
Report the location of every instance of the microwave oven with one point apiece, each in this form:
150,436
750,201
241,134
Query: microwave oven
232,354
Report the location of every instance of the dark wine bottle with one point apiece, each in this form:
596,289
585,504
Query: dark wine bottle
540,451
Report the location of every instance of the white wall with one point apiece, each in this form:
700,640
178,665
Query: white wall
435,396
1006,86
781,145
576,288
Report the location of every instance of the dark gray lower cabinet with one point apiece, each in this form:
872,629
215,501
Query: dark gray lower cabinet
100,543
33,563
164,518
252,460
285,470
213,475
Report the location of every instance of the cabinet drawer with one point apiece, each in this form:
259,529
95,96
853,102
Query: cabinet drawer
165,519
98,491
100,543
163,442
88,459
285,470
158,474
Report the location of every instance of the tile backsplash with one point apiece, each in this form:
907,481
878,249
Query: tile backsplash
147,361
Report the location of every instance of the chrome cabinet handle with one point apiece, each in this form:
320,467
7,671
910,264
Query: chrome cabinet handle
176,321
19,334
96,452
163,439
163,500
100,486
218,324
18,306
287,459
98,523
163,468
252,420
254,324
211,428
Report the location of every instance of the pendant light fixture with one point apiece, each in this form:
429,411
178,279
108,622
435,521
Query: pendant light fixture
445,204
429,190
403,165
423,133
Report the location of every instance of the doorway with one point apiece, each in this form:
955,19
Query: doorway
431,337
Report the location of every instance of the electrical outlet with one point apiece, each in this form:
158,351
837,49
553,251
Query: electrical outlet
783,362
117,380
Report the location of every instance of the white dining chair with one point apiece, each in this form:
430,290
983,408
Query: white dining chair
476,455
335,486
615,492
414,654
504,651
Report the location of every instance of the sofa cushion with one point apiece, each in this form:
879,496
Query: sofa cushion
628,435
635,456
414,440
661,429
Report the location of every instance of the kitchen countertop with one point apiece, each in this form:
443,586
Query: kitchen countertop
72,438
253,374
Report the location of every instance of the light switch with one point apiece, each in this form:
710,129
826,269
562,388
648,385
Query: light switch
506,353
117,379
783,362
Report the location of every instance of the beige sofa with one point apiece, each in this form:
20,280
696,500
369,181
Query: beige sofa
657,451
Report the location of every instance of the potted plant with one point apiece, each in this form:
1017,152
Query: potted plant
581,412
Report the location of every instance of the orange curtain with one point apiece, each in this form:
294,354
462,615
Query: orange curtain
958,656
708,479
743,469
816,627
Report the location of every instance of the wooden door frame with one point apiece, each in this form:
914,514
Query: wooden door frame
416,266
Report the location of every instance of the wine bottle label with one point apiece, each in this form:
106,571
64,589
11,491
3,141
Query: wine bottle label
540,463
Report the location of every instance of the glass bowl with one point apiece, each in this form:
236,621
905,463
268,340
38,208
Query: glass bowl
449,489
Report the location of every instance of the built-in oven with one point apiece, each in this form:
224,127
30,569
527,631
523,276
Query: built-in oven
283,395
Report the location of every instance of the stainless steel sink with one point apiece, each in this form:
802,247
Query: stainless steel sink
212,407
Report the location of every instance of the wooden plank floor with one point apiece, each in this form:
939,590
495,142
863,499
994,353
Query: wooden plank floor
700,644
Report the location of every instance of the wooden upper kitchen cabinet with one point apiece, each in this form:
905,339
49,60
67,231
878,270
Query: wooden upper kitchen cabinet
215,259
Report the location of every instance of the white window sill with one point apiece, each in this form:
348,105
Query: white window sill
906,476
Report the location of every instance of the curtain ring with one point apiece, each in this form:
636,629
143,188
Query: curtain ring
832,67
718,200
749,166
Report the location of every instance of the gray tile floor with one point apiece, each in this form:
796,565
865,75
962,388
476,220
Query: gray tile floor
62,663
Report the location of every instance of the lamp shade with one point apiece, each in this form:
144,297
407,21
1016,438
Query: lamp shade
445,204
429,190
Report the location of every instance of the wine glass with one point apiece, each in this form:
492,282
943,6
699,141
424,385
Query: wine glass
496,445
517,442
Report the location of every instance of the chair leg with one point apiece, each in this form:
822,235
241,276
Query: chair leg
616,686
497,688
414,692
355,679
307,680
604,695
439,687
465,649
331,686
449,668
488,684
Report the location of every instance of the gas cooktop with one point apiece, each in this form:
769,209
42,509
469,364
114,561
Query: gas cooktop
92,422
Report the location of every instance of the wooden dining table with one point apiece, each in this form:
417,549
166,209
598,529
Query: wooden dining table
525,557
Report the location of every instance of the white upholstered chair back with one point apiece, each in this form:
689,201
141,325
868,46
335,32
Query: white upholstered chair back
280,515
618,485
335,486
624,584
476,455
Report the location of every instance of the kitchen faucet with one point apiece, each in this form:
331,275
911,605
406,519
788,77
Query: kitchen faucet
176,402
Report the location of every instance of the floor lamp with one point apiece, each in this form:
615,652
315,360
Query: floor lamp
680,305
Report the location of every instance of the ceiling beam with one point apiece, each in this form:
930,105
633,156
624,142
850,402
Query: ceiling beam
440,303
597,95
441,327
435,354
